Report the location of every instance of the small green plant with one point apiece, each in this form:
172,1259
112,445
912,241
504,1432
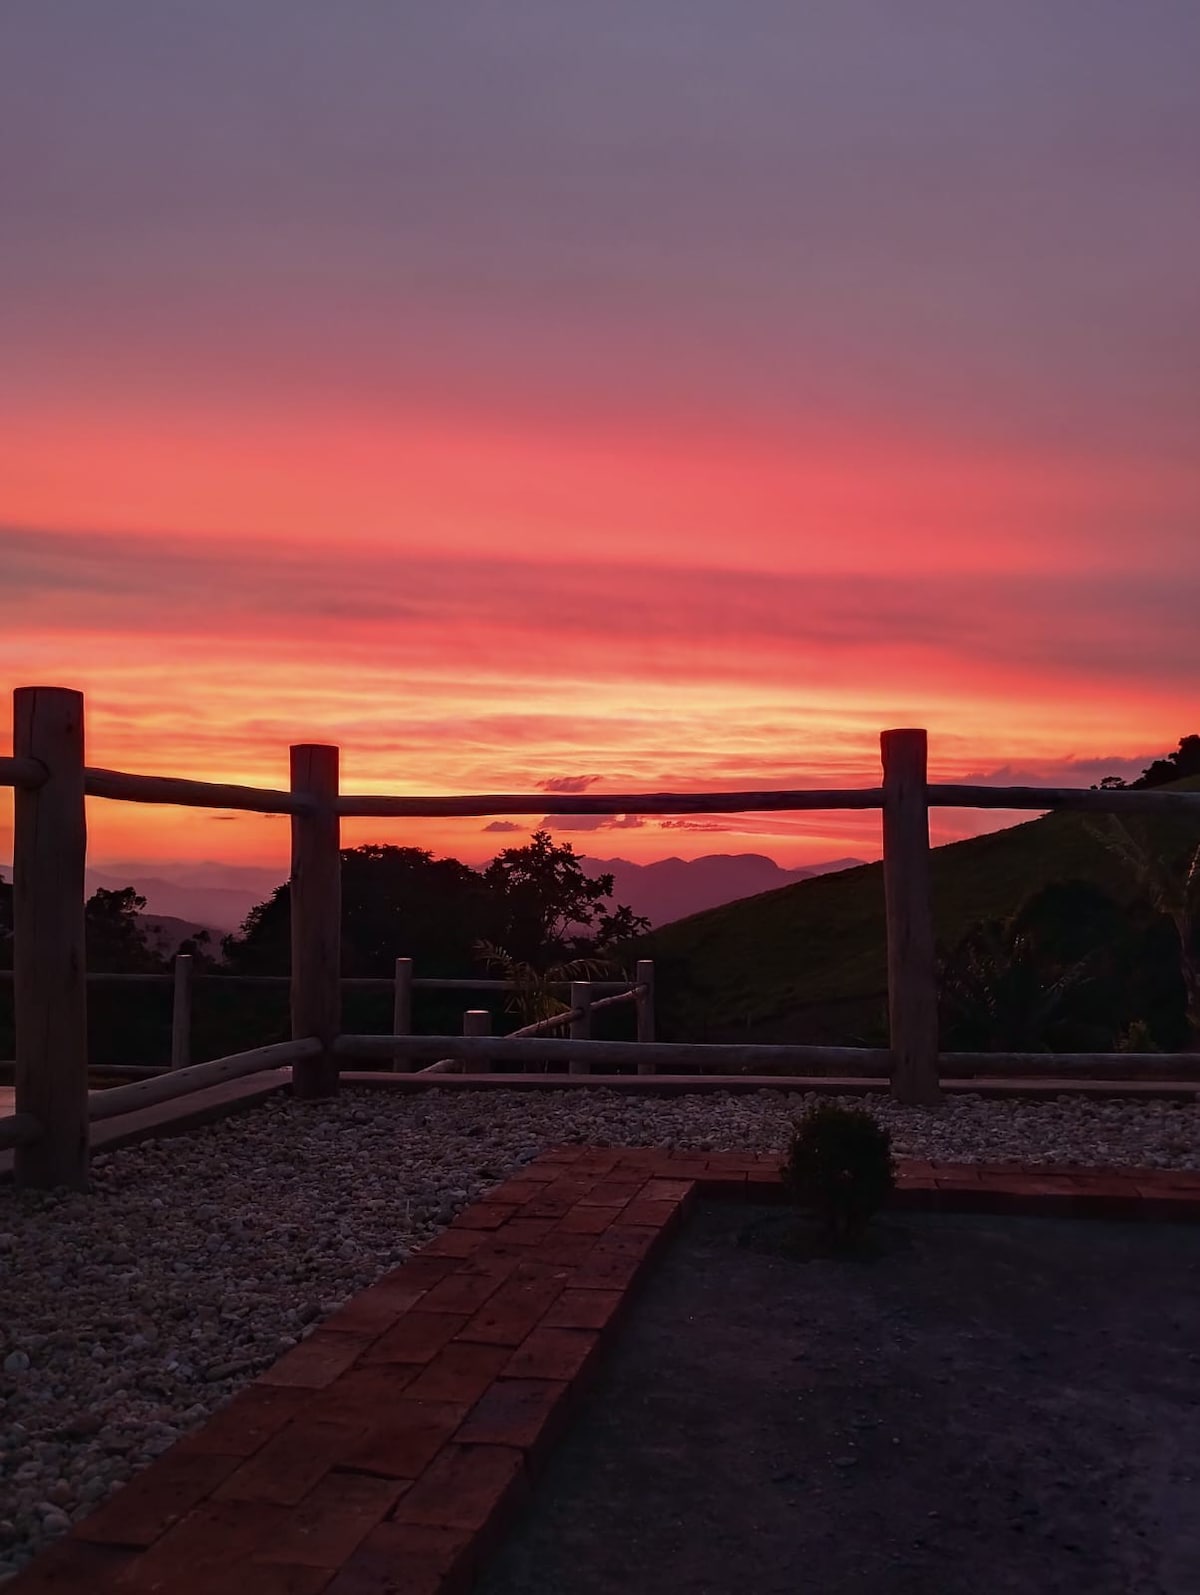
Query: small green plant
839,1164
1137,1038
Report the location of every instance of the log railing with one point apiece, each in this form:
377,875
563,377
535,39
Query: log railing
49,1129
183,978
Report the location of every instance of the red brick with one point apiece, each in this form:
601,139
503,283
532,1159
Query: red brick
156,1498
260,1578
317,1361
551,1353
569,1189
71,1567
247,1422
655,1215
464,1292
516,1307
424,1268
485,1215
598,1159
374,1310
640,1158
525,1413
554,1207
587,1220
456,1243
613,1271
584,1309
362,1395
465,1487
405,1440
202,1553
613,1193
408,1559
525,1231
418,1337
565,1251
290,1464
659,1190
629,1240
332,1521
460,1372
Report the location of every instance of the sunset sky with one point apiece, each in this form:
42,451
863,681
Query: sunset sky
667,395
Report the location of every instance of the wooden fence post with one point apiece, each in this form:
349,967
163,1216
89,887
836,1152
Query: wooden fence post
316,890
912,976
49,989
581,1028
402,1009
644,1006
181,1012
477,1022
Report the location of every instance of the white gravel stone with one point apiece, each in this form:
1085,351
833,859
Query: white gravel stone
133,1311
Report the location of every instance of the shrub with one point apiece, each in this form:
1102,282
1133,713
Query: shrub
839,1164
1137,1038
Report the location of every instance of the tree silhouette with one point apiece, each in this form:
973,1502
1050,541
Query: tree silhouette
1173,887
396,901
116,943
552,910
1183,762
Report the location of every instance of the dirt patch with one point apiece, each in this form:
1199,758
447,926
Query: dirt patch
982,1406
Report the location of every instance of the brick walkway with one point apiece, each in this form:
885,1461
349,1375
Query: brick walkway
385,1454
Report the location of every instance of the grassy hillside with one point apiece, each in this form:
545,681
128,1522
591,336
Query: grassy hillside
808,962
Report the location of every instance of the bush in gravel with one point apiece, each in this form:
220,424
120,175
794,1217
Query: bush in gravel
838,1163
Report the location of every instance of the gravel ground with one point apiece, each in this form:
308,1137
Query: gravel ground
130,1313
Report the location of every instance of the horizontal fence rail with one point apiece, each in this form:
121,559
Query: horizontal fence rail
665,1055
19,1129
792,1062
1082,800
26,773
182,1082
125,788
429,808
375,983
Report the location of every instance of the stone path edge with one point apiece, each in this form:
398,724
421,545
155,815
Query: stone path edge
388,1453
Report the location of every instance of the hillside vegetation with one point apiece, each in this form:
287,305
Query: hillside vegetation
808,962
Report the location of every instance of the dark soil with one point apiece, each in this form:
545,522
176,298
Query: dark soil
978,1406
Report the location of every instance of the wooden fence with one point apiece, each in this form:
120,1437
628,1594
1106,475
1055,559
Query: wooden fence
586,998
52,781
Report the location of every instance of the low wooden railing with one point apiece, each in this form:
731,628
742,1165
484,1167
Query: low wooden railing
52,782
183,977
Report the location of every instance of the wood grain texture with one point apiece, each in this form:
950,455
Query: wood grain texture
316,901
126,788
137,1094
49,990
644,975
181,1012
581,1026
908,893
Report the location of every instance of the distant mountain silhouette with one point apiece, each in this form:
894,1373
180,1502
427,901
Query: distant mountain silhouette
219,896
673,888
164,933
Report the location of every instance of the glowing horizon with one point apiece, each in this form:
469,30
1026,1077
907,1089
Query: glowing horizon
673,402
